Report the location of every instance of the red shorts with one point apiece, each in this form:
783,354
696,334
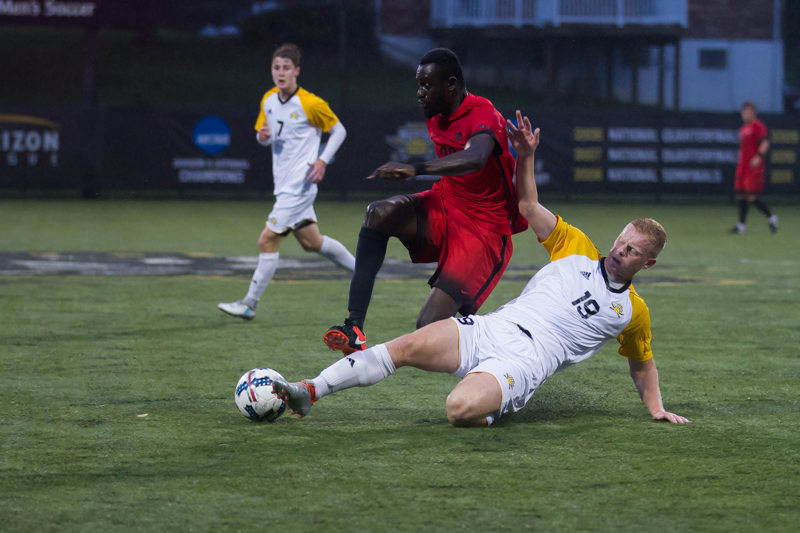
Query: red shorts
471,260
749,180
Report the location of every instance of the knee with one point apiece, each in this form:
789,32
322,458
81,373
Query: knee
404,350
268,243
377,213
459,409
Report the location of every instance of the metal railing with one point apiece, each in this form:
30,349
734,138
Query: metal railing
487,13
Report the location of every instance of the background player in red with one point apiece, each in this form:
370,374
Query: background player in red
464,222
749,184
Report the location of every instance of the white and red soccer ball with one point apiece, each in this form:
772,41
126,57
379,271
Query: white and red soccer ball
254,396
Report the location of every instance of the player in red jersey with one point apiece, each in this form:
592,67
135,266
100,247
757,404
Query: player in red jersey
754,144
464,222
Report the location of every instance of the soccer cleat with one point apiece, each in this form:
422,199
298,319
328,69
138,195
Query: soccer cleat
299,397
773,223
239,309
347,339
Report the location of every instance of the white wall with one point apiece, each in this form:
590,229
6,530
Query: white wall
648,79
754,72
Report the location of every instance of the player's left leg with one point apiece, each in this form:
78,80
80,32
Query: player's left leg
395,217
475,398
311,240
772,220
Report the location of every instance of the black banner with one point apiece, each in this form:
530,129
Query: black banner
587,152
592,152
131,14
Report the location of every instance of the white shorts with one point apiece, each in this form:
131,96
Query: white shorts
291,212
494,345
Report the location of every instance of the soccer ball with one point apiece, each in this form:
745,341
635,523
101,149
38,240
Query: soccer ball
254,396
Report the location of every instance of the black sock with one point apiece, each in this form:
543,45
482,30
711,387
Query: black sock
759,203
370,252
743,205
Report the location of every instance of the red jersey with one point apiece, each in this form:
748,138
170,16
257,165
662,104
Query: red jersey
489,195
750,136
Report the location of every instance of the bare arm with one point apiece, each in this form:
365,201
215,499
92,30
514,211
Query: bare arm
525,141
645,377
470,159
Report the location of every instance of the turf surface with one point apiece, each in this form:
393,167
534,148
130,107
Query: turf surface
81,358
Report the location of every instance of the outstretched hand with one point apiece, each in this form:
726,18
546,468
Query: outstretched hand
393,171
523,139
671,417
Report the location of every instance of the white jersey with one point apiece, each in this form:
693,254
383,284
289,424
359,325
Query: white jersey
296,126
570,309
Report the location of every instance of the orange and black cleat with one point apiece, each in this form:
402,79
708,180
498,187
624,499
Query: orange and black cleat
347,339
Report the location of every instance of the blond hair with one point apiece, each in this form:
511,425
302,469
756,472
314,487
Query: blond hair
654,231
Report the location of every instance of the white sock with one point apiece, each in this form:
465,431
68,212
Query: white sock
336,252
267,264
773,220
359,369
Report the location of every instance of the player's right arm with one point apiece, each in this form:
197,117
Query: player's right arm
264,136
471,159
525,141
761,153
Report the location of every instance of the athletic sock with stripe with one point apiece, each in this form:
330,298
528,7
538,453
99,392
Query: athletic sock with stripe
336,252
267,264
359,369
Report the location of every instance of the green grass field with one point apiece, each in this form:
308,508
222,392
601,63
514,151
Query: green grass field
82,358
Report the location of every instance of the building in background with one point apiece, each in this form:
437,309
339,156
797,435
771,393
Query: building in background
691,55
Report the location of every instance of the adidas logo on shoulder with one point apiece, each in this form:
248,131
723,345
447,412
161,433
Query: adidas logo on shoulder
586,274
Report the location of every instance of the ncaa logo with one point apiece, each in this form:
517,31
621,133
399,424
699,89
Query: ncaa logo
212,135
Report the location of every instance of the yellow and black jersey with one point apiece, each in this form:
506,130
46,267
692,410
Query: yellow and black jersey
296,126
572,311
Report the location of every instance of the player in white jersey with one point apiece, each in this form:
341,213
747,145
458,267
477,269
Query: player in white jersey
569,310
291,121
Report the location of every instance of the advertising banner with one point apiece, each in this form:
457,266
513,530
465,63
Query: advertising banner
45,149
216,149
130,14
659,153
184,150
